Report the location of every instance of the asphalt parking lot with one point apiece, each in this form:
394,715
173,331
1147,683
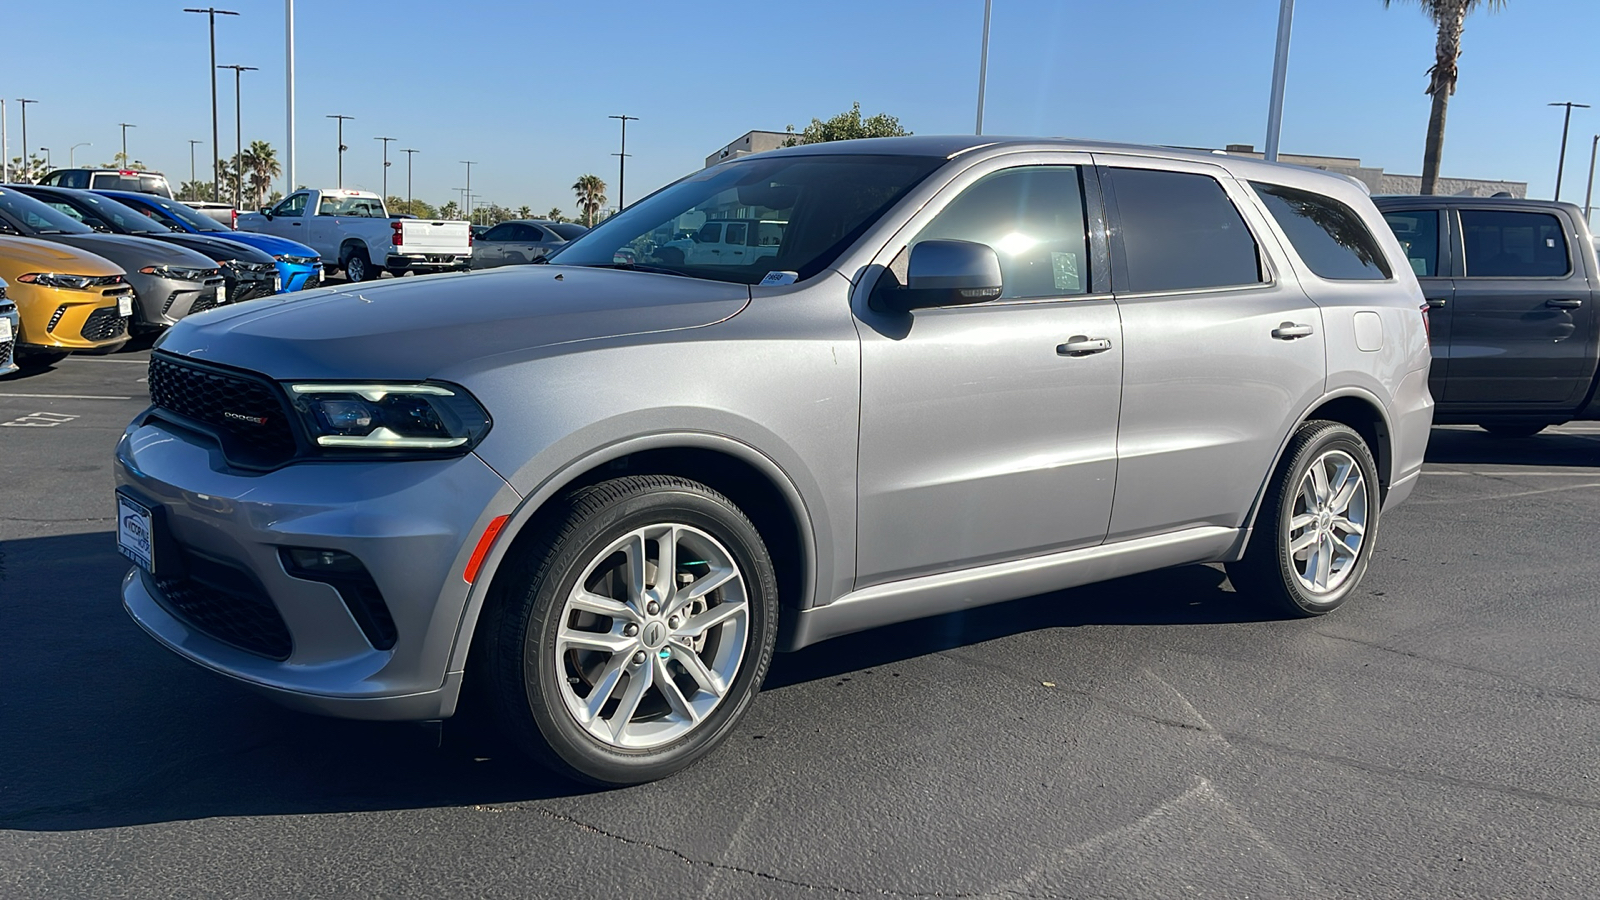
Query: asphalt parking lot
1147,738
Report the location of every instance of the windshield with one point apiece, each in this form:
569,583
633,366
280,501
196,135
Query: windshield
171,212
36,218
567,231
123,218
739,221
136,182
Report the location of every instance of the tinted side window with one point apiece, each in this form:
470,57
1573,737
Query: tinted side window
1330,238
498,233
1181,232
1418,233
710,233
292,207
736,234
1033,218
1503,244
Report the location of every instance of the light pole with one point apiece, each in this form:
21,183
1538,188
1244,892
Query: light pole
72,163
216,170
47,164
192,142
125,126
1280,75
409,154
386,141
1565,125
983,63
238,135
1589,195
25,166
469,164
288,43
622,158
342,147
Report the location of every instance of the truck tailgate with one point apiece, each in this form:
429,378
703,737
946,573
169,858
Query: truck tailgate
424,236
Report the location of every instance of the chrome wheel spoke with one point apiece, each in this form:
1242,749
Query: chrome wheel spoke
605,686
1346,493
603,641
1340,523
1303,541
634,551
588,601
1319,481
666,566
711,618
1324,564
696,667
1304,520
640,678
669,689
702,586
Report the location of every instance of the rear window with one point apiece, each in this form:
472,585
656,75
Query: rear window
139,183
567,231
1504,244
1418,233
1181,232
1331,239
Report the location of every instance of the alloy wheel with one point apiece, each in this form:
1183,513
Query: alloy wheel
1328,523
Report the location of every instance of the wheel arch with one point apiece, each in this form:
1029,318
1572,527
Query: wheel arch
752,480
1355,407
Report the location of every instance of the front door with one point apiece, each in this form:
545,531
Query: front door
988,432
1522,320
1221,355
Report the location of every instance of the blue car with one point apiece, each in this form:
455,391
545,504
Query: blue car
299,266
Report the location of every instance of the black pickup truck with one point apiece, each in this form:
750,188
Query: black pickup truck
1512,287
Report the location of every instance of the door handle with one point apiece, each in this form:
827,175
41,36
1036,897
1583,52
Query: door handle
295,224
1563,304
1436,303
1079,345
1288,331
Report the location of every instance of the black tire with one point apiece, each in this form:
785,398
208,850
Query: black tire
1269,571
357,267
1514,429
35,360
525,615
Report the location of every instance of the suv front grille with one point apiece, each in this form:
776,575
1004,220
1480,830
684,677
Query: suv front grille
227,603
246,414
104,324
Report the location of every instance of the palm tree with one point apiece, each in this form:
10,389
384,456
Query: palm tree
260,162
591,193
555,215
1450,17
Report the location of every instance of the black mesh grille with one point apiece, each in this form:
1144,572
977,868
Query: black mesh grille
242,290
203,303
104,324
6,349
245,414
227,603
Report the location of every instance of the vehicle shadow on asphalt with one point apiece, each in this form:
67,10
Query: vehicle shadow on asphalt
104,728
1473,446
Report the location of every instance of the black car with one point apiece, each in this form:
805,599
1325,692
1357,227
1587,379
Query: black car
250,273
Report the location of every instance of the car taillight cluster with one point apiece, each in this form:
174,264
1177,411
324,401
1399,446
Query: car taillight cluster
399,233
1427,325
234,215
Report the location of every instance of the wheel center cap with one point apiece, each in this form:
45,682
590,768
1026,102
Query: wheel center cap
654,635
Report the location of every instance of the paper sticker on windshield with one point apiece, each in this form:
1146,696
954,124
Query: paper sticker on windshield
1065,269
774,278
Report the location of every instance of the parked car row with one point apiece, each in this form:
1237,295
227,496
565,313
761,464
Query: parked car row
352,230
87,272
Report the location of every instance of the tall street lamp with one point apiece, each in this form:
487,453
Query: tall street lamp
238,135
71,157
25,167
216,166
1280,75
1589,195
409,154
192,142
1567,124
622,158
125,126
469,163
386,141
342,147
47,164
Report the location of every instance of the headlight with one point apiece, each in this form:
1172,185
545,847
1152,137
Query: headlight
298,260
240,268
75,282
181,273
430,417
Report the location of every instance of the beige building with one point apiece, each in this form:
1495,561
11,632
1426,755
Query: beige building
1380,182
750,142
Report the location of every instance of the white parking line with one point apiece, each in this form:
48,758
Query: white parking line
67,396
1589,474
126,362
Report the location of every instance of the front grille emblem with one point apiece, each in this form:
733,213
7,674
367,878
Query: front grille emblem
241,417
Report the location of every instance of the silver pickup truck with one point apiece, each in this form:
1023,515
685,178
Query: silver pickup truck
353,231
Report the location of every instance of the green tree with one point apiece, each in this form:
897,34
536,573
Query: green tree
27,174
591,192
194,190
419,208
555,214
524,211
259,163
450,211
121,161
1450,19
847,126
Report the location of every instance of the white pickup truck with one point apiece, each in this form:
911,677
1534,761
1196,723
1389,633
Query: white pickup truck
353,231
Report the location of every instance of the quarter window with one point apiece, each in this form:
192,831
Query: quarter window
1331,239
1181,232
1034,219
1418,233
1503,244
736,235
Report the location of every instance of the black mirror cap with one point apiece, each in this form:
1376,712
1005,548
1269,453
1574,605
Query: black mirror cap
947,273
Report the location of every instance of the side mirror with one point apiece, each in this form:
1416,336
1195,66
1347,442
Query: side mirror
947,273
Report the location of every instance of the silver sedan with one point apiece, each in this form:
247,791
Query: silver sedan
520,242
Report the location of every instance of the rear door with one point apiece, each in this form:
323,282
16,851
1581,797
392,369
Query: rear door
1222,350
1426,240
1521,330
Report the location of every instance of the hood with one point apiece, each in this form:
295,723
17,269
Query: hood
270,244
415,328
20,255
217,248
134,253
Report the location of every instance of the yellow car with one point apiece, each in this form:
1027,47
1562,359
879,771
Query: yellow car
68,300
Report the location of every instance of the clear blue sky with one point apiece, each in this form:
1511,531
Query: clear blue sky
525,88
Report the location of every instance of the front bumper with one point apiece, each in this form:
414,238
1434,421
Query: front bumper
8,348
412,524
299,276
54,319
163,301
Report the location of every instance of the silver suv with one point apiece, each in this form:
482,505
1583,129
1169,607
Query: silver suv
600,493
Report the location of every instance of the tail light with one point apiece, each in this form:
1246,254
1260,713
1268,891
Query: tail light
399,233
234,215
1427,325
